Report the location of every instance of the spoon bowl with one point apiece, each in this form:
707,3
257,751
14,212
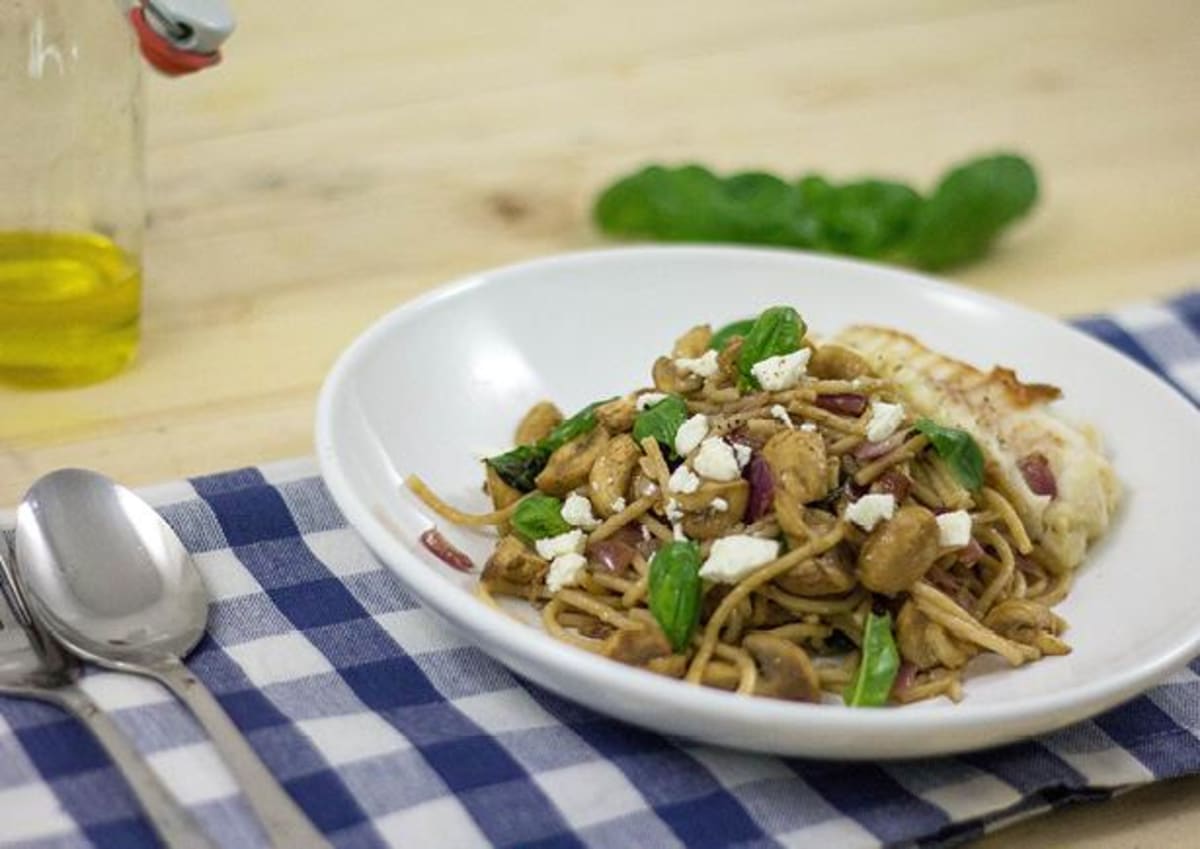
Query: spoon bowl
104,571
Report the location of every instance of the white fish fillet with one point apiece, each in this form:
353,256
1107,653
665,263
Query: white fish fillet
1010,420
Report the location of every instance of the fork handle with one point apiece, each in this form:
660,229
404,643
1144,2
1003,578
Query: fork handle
173,822
285,823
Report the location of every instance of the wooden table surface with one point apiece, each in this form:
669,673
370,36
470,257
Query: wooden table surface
349,156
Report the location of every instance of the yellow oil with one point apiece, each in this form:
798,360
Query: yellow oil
69,308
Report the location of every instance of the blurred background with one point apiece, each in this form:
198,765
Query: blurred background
346,157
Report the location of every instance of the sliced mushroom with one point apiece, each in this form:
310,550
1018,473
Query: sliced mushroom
611,473
646,647
834,362
693,343
1024,621
798,464
727,359
542,418
570,465
515,564
830,573
926,644
701,520
669,379
501,493
900,551
617,415
784,670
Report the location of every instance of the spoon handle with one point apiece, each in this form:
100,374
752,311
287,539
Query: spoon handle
285,824
173,822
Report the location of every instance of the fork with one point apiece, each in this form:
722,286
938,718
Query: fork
34,666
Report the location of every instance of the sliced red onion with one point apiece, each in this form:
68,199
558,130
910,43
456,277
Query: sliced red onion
843,403
441,548
612,555
742,437
971,553
893,482
875,450
906,677
762,488
1035,468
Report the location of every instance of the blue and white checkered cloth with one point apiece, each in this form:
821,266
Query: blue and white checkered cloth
389,730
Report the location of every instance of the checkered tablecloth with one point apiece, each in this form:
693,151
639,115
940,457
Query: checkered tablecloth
389,730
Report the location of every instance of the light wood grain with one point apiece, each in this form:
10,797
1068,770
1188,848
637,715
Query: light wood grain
349,156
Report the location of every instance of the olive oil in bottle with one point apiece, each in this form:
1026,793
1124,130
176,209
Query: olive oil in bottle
69,307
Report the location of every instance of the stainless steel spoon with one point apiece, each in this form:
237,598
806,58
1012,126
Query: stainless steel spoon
114,584
34,666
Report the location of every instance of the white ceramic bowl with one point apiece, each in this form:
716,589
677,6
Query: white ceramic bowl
442,381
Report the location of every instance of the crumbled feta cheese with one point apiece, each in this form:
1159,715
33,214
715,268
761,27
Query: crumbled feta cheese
808,427
742,453
619,505
577,511
571,542
731,558
719,505
648,399
702,366
564,571
871,509
716,460
954,529
690,434
683,480
775,374
674,514
885,419
780,412
677,532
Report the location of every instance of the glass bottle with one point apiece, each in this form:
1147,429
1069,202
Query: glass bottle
72,206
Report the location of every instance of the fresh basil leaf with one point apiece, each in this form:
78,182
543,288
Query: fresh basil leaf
959,449
519,467
878,666
539,516
725,335
969,208
776,331
870,218
675,590
662,421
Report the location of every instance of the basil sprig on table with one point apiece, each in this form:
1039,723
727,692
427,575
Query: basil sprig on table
661,420
878,666
519,467
958,449
725,335
675,591
777,331
539,516
874,218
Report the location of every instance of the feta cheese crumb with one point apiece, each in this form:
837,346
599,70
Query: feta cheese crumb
702,366
683,480
619,505
954,529
885,419
719,505
690,434
674,514
871,509
577,511
564,571
780,412
775,374
716,460
571,542
677,532
808,427
742,454
648,399
731,558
